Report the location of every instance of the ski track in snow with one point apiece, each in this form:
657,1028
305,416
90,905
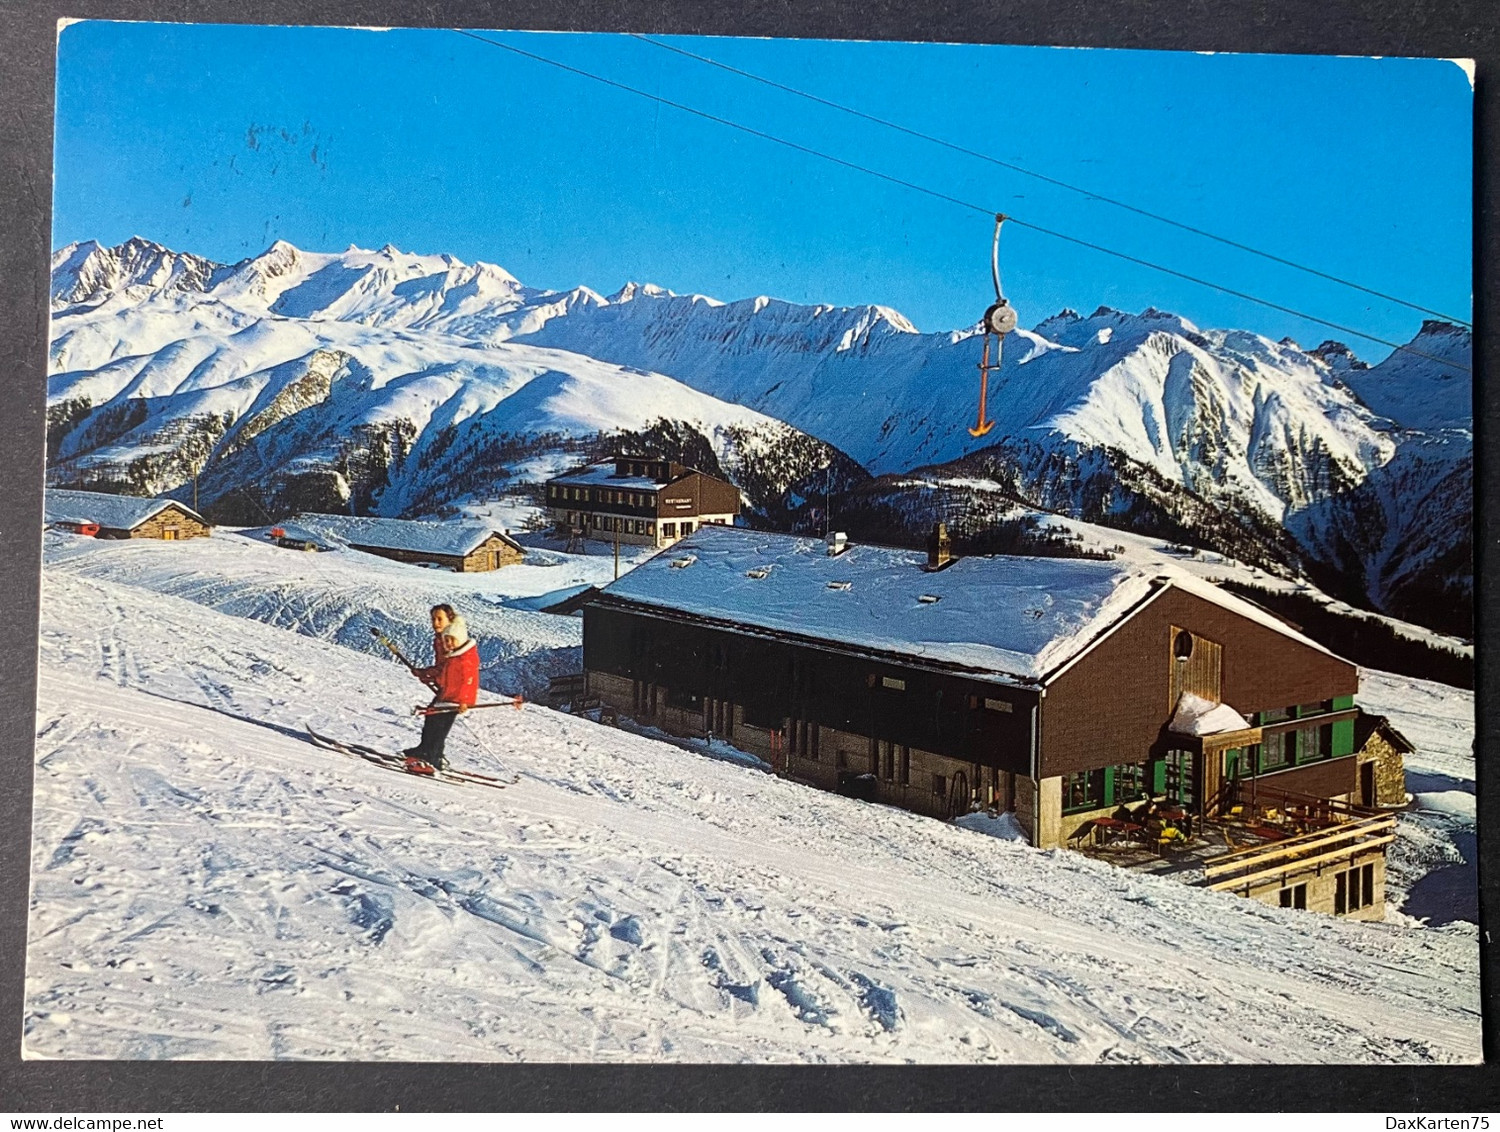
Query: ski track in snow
207,884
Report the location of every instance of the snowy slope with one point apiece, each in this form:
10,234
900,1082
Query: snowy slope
339,596
1432,870
208,885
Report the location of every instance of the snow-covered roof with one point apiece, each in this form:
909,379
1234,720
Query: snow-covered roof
603,475
414,535
1198,716
119,512
1014,617
1019,619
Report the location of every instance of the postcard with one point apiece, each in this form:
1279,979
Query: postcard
621,548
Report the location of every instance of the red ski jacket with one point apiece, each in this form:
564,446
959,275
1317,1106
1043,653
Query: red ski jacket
455,676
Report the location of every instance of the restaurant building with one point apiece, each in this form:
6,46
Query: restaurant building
1060,690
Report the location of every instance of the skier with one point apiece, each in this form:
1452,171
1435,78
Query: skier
454,680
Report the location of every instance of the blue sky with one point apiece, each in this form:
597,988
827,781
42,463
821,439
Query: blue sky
221,139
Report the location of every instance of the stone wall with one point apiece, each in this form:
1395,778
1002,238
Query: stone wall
1390,769
1321,882
482,556
170,524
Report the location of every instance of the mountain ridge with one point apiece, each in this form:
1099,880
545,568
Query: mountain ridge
1342,455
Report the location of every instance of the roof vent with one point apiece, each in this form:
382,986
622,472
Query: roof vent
838,542
841,586
683,563
757,572
928,599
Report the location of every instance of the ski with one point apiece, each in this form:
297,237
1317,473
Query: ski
402,761
399,763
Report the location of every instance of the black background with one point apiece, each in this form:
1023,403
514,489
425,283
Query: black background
27,45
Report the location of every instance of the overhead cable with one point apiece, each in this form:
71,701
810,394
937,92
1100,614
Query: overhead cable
1090,193
934,193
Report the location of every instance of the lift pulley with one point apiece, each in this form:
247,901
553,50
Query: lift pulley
999,320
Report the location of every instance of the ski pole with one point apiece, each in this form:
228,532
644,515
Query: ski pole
516,703
474,731
390,644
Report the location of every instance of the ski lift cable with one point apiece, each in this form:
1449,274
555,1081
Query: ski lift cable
1089,193
936,194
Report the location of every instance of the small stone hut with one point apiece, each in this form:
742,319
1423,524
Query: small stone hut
463,547
122,516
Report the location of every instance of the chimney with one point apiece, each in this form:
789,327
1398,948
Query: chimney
838,542
939,548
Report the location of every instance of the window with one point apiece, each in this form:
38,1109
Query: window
895,683
1295,896
687,529
892,762
687,701
998,705
1273,715
1314,743
1129,783
1083,791
805,739
1354,889
939,786
1179,777
1315,709
1277,749
669,530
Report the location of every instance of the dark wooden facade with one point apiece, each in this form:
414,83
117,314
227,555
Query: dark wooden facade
776,679
1087,737
693,493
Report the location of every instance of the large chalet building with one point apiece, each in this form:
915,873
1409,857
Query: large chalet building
1062,690
640,501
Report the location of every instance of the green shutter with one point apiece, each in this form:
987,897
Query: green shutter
1342,703
1343,737
1109,786
1158,776
1232,763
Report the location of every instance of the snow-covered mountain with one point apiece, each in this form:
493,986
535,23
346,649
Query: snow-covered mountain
380,380
409,382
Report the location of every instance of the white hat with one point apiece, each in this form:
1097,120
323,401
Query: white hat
457,631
